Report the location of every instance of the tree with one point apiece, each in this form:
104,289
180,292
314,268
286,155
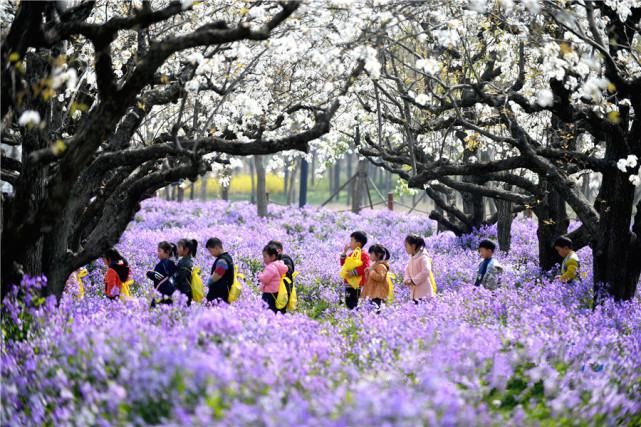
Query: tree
552,96
100,105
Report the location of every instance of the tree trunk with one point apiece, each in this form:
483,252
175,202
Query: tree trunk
286,179
552,222
252,197
313,172
291,195
504,224
304,172
350,188
359,187
224,192
203,188
616,251
191,190
180,193
261,192
337,178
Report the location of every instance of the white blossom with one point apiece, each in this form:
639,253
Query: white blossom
632,160
545,98
195,58
29,117
478,5
635,180
532,5
507,4
422,99
429,65
622,165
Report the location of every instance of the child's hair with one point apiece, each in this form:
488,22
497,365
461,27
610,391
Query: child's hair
360,237
381,251
487,244
276,243
113,255
168,247
415,240
271,250
192,245
214,242
563,242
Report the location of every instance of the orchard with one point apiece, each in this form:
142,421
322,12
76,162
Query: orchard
321,213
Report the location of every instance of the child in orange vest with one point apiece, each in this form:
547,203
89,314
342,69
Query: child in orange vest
376,286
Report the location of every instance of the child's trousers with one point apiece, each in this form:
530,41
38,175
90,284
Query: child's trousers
351,297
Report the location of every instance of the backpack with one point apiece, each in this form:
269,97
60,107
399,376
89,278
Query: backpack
390,293
197,287
236,287
352,262
432,281
282,298
293,298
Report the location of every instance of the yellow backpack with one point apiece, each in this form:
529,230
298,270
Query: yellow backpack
197,287
293,298
282,298
236,287
352,262
124,289
390,293
432,281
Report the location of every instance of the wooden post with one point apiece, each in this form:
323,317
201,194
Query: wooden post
390,201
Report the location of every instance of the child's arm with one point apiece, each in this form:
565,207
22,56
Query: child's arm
267,275
424,275
221,269
378,273
407,279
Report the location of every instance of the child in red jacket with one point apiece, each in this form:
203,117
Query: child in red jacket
118,273
358,239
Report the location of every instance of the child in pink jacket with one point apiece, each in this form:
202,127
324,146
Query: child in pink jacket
270,277
417,272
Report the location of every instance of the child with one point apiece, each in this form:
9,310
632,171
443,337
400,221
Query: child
358,239
418,270
222,271
376,287
489,271
74,283
288,261
117,274
270,277
163,271
570,265
186,250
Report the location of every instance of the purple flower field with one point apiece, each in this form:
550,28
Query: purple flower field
532,353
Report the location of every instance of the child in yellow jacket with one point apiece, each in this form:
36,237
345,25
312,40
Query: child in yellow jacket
571,263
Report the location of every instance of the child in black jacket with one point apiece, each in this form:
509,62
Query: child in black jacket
163,271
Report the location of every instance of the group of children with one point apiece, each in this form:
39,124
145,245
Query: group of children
366,274
169,276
